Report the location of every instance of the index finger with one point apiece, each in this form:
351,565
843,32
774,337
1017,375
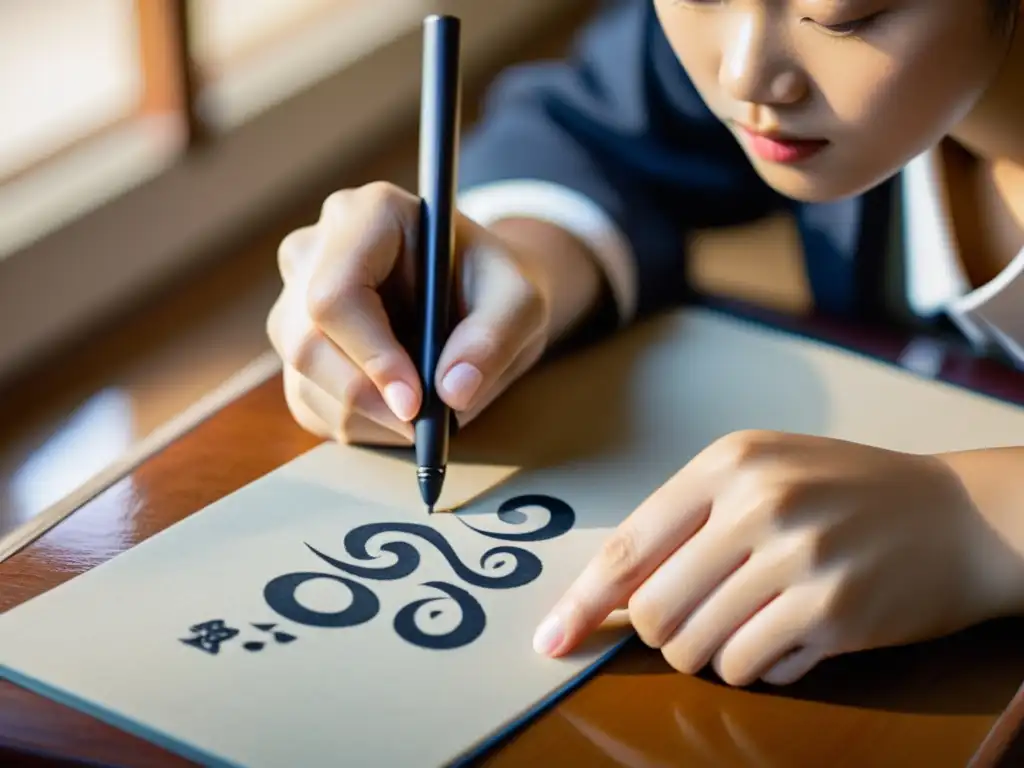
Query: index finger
638,546
364,238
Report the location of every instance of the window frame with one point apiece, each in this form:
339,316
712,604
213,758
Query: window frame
65,281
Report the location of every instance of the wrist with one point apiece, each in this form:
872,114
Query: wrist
995,543
565,271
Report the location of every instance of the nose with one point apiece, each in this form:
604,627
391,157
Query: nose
755,67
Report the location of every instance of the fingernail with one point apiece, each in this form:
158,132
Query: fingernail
461,383
549,636
400,399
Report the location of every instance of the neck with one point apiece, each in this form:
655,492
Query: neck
993,131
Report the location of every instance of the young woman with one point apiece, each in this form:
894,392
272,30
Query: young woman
893,130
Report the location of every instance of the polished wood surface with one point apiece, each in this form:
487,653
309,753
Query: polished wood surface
935,704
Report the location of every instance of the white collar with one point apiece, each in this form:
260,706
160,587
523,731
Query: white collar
936,282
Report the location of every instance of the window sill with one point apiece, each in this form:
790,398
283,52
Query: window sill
81,247
84,178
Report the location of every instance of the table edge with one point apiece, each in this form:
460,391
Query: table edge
253,375
1004,742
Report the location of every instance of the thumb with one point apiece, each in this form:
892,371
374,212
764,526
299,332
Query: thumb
506,311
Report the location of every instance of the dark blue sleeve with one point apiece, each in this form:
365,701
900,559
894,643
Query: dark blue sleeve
620,122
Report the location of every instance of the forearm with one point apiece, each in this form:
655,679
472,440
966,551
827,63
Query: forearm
574,144
994,480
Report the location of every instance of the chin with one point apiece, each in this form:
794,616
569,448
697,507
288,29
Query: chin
809,184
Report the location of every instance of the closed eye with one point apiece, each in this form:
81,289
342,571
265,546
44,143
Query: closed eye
847,28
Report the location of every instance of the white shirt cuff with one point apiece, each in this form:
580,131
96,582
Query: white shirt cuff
573,212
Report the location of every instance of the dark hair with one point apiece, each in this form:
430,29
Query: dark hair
1004,14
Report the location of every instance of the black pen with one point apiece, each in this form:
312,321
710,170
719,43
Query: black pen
439,147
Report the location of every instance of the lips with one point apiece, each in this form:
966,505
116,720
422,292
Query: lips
779,148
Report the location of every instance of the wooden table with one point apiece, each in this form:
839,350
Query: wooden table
944,703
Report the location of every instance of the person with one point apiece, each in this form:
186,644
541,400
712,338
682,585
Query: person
892,131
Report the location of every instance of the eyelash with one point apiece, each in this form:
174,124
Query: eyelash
846,29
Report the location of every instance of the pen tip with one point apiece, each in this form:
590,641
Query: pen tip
430,480
430,509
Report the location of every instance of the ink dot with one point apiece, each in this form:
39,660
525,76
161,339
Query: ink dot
435,613
253,645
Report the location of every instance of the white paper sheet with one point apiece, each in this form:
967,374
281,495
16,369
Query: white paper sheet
367,694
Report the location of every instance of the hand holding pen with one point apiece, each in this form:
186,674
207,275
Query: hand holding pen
346,320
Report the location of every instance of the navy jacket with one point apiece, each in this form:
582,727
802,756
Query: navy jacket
620,122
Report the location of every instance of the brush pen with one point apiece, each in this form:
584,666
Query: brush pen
438,171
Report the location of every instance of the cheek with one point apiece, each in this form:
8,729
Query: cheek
913,83
900,104
917,99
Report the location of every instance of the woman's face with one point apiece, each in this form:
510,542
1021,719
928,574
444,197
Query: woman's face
859,87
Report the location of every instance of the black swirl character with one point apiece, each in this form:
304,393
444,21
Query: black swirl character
561,521
471,624
280,592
